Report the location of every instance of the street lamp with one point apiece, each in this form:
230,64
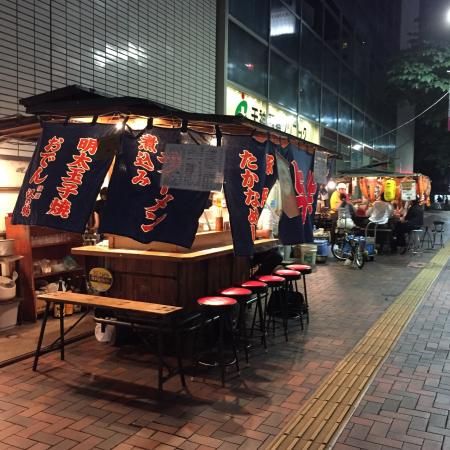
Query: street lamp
448,15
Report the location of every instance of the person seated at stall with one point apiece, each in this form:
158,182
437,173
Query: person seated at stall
335,200
380,212
412,220
322,198
346,214
99,208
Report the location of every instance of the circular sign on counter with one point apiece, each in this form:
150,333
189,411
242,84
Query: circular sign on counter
100,279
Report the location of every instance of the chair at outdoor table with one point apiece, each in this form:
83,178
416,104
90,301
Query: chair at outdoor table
427,238
414,241
218,308
438,230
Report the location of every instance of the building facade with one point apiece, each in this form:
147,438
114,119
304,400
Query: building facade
315,68
163,50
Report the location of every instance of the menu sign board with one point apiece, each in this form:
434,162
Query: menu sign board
320,167
193,167
408,190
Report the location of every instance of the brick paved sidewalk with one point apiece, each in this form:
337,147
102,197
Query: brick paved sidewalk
101,397
407,405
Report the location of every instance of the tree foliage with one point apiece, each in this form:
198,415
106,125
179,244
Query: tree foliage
419,75
421,70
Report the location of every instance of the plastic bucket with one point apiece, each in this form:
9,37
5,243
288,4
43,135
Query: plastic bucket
8,313
322,247
322,250
309,254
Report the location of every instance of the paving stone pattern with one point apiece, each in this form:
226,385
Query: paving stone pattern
407,405
103,397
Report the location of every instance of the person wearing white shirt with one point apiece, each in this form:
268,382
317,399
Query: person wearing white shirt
380,212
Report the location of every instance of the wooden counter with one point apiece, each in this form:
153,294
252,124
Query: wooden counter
171,278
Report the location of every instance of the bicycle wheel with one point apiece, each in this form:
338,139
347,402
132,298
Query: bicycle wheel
337,248
358,258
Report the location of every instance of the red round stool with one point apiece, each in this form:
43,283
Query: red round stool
243,296
260,289
304,269
294,302
272,280
275,284
221,307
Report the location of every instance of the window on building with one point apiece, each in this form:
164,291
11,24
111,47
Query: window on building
347,42
311,56
330,69
358,93
245,13
346,88
329,139
358,125
309,97
329,112
247,60
284,30
283,82
344,145
361,56
369,131
312,14
331,30
345,120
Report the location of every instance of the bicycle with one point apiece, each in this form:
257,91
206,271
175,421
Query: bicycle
346,246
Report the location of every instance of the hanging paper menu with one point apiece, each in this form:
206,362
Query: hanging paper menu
408,190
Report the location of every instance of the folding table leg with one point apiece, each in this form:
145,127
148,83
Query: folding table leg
180,357
61,328
41,335
160,358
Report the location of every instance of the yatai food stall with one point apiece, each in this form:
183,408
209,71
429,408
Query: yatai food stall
162,164
366,186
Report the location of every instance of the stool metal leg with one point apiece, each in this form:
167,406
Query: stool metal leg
243,327
305,292
220,345
262,325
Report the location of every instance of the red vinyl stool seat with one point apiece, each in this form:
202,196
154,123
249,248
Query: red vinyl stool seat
272,280
304,269
221,307
255,285
237,292
216,301
288,274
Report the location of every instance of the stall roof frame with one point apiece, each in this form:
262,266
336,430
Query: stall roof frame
77,101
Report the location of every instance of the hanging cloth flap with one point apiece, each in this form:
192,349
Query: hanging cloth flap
299,229
64,176
138,206
250,173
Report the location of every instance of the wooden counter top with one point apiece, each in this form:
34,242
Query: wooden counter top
93,250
